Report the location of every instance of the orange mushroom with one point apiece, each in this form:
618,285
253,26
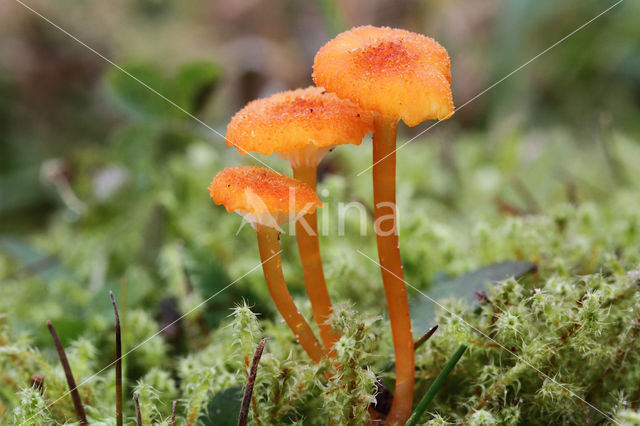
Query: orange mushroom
301,126
262,197
398,75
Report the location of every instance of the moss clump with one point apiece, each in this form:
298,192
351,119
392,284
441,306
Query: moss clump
569,330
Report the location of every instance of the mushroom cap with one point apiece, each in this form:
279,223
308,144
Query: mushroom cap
261,195
298,119
394,72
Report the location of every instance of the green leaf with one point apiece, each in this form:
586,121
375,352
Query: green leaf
32,261
134,96
135,90
463,287
224,408
194,83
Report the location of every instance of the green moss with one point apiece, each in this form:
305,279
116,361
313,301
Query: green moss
547,347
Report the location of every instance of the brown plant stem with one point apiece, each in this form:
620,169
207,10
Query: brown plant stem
269,245
254,403
73,389
384,198
173,413
37,382
119,418
314,280
138,412
421,341
243,417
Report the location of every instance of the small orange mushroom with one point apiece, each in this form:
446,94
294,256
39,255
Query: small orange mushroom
398,75
301,126
263,198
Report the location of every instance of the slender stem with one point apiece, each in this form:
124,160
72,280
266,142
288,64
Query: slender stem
138,412
77,402
272,266
122,313
118,362
309,248
173,413
384,198
251,380
435,387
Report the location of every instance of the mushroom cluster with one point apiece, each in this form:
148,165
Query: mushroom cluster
368,79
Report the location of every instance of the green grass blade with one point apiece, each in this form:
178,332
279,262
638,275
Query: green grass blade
435,387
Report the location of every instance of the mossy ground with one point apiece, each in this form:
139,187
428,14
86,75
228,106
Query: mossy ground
556,346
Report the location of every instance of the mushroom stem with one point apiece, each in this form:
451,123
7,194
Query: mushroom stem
309,248
269,245
384,198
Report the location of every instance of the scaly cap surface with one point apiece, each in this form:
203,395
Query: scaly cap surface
394,72
298,119
262,196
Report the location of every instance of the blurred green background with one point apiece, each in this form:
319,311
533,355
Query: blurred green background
59,100
103,183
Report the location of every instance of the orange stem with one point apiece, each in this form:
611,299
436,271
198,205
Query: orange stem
384,198
309,248
269,245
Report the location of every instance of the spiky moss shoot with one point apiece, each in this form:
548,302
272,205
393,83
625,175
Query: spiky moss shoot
148,398
437,420
31,408
351,390
509,327
82,356
247,331
284,388
140,328
482,418
156,390
552,392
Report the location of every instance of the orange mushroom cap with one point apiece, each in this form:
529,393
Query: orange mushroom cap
262,196
394,72
299,125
